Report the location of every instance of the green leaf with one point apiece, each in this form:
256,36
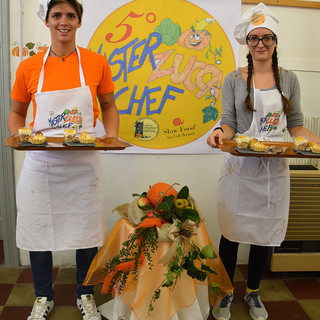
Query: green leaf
207,252
30,45
169,276
190,214
193,255
193,271
207,268
183,193
165,206
147,206
136,195
125,244
169,31
210,113
215,287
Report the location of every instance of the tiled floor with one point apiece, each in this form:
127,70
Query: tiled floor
287,296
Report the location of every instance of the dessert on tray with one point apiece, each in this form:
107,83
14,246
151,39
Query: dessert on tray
314,147
38,138
242,141
86,138
300,143
25,134
69,134
256,145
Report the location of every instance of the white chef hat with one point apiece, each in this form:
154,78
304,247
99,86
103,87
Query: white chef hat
258,17
43,7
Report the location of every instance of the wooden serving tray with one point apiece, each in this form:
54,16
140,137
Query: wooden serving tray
56,143
229,146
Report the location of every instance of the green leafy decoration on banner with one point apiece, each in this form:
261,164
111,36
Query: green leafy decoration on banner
210,113
30,45
169,31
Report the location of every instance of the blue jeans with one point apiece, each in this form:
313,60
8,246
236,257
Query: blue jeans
41,265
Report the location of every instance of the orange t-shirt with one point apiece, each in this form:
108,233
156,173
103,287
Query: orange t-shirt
59,75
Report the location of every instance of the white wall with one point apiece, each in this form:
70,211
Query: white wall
124,174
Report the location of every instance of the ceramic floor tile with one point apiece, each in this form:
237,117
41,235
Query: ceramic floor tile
304,288
65,294
238,276
100,298
239,290
26,275
65,313
275,290
9,275
21,295
239,311
66,276
5,291
243,268
15,313
311,307
285,310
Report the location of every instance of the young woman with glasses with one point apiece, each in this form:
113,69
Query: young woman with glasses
261,101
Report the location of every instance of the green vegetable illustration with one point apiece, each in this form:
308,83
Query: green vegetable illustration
169,31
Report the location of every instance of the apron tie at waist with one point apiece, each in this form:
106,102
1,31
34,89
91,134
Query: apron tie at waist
266,164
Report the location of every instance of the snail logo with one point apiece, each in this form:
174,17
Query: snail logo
258,19
178,122
167,65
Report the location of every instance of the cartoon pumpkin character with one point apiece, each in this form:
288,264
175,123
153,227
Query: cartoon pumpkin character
196,37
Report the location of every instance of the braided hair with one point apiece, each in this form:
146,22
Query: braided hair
286,102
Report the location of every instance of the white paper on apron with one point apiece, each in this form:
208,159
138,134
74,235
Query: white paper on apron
253,193
59,196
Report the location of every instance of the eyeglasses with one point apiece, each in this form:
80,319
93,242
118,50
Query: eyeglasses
267,41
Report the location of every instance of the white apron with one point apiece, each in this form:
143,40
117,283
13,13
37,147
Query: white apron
253,193
59,196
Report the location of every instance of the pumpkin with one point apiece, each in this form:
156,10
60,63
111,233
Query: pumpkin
193,39
42,48
159,190
16,51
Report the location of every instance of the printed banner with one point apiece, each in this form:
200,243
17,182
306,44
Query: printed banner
168,61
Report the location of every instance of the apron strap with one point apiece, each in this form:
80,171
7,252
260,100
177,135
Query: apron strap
41,77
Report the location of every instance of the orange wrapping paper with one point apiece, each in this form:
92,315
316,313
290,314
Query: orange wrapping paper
138,294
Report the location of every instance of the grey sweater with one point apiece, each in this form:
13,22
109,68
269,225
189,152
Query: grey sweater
234,93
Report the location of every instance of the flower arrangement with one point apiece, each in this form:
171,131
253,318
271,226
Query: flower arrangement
165,215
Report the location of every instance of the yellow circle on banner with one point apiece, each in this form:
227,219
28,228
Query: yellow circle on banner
168,63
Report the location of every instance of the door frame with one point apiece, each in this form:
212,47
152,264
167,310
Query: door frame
8,211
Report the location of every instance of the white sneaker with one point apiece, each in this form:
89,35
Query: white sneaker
222,310
41,309
257,309
87,306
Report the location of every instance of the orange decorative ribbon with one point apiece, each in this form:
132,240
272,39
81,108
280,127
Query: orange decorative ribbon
128,265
